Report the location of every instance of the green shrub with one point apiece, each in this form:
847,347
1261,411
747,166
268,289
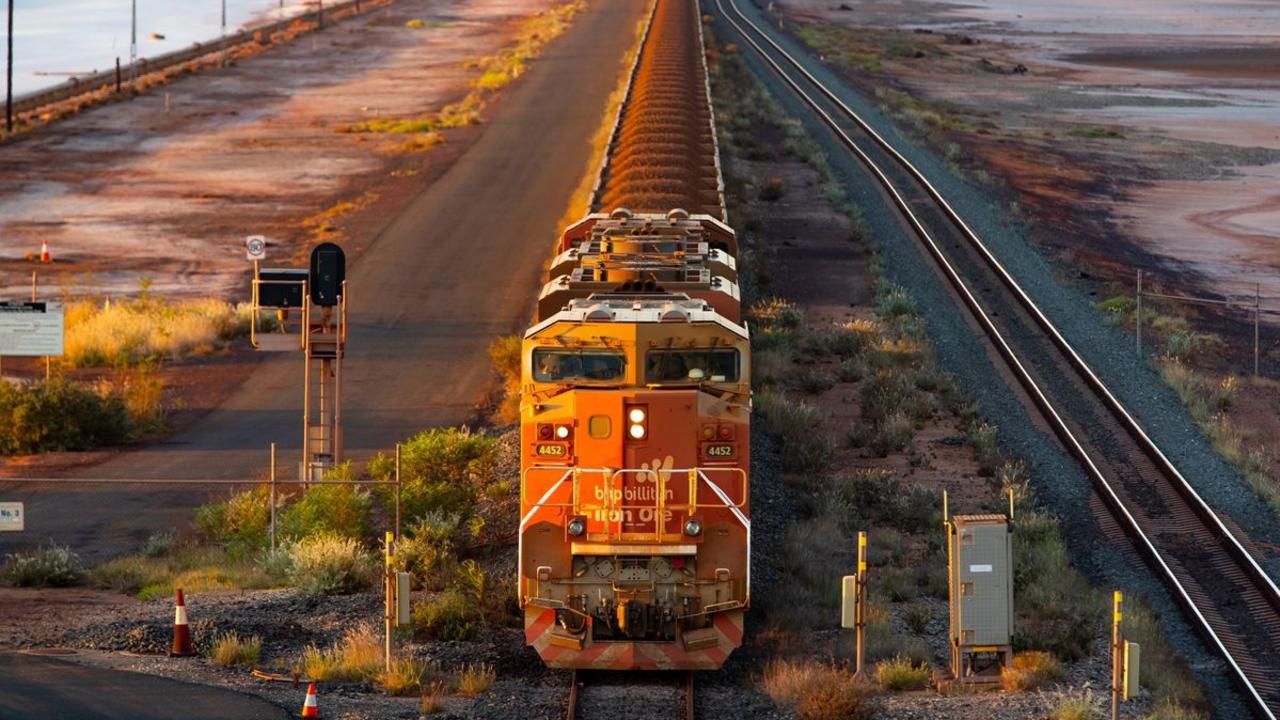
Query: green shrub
59,415
159,544
441,469
812,381
900,673
851,370
982,437
1056,610
774,188
429,549
50,566
805,447
327,564
874,497
917,618
341,510
893,434
893,301
450,615
242,522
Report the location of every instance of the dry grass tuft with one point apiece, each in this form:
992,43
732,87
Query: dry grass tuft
900,673
816,691
357,657
476,679
230,649
121,333
1031,670
404,677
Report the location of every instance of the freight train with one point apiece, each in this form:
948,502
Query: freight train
635,530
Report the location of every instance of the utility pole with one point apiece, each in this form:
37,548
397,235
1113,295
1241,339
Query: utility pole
133,45
8,85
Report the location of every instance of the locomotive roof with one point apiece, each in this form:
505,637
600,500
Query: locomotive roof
641,308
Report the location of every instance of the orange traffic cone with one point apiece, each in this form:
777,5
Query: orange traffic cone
310,709
44,251
181,630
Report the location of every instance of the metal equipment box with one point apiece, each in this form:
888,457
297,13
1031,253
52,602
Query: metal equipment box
980,553
281,287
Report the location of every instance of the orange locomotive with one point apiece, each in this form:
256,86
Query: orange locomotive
635,532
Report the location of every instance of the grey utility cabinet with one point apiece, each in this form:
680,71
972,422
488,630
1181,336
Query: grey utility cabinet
980,555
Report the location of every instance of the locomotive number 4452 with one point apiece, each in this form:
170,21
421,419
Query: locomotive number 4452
721,450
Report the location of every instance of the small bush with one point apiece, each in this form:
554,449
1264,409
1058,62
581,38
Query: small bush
777,313
505,356
441,470
415,24
230,649
851,371
1031,670
917,618
817,692
357,657
450,615
404,677
893,301
874,497
159,544
900,673
59,415
804,446
341,510
328,564
242,522
1077,705
893,434
812,381
475,679
432,698
51,566
982,437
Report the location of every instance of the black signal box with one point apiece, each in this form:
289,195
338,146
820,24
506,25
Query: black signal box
328,271
281,287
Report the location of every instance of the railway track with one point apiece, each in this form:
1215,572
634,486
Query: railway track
1211,574
646,697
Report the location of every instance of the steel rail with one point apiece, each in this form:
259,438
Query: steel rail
1253,570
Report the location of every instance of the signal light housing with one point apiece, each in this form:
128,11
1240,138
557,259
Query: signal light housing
544,431
637,422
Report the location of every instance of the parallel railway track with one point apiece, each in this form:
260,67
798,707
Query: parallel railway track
1221,588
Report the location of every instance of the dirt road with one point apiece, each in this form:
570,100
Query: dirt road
455,269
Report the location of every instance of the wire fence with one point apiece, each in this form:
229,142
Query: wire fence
271,482
1254,312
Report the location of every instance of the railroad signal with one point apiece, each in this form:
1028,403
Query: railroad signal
328,272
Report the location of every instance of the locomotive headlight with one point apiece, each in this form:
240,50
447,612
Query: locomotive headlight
692,527
636,415
562,432
577,526
637,432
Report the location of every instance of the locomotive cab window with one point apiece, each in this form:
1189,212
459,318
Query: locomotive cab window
556,365
691,365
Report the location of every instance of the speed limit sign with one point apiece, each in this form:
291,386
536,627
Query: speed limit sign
255,247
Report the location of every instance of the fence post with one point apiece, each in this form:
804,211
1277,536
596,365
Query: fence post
1138,315
397,489
860,613
1117,653
273,500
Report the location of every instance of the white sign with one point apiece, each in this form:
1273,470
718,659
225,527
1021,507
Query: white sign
31,329
255,247
12,517
979,568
